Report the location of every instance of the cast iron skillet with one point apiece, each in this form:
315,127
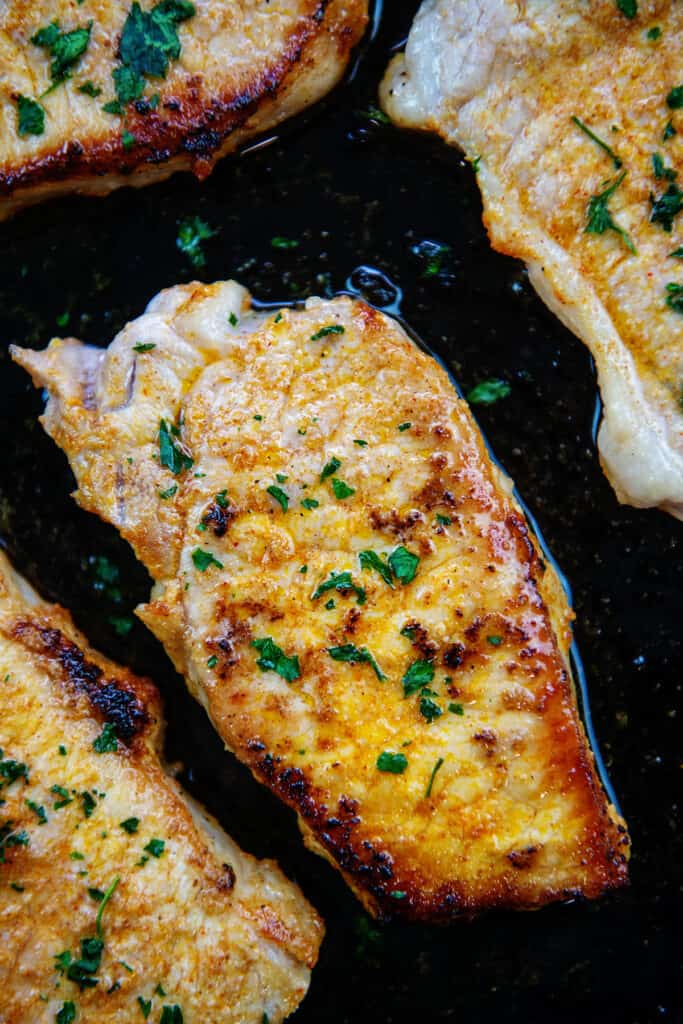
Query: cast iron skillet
355,193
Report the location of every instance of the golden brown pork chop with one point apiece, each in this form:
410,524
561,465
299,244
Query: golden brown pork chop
349,588
118,894
572,114
108,92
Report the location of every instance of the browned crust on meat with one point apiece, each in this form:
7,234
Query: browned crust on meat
188,133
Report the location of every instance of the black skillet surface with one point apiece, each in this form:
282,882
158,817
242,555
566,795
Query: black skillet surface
353,193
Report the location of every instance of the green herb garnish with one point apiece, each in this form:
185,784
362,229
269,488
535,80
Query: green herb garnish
428,791
279,495
403,564
203,559
325,331
30,116
420,673
106,742
666,207
105,899
394,763
130,825
599,216
67,1013
309,503
144,346
488,391
274,659
192,232
342,582
372,561
674,298
65,48
330,468
341,489
598,141
355,655
675,98
171,454
149,40
156,847
456,709
629,8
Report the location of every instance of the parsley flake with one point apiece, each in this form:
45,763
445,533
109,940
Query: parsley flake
437,766
394,763
30,116
488,391
280,496
192,231
144,346
666,207
342,582
341,489
429,709
149,40
404,564
599,216
674,299
106,742
156,847
130,825
171,1015
171,454
145,1006
67,1013
675,98
420,673
274,659
65,48
330,468
598,141
629,8
456,709
355,655
203,559
325,331
309,503
372,561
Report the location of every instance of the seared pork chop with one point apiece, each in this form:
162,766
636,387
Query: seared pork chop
113,92
119,896
349,588
571,115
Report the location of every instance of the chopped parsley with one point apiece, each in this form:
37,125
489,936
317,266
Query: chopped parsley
374,562
675,98
145,1006
144,346
330,468
67,1013
128,140
11,770
432,255
599,216
60,791
169,492
629,8
420,673
30,116
310,503
274,659
341,489
81,971
122,624
203,559
404,564
660,171
325,331
394,763
360,442
232,319
106,742
669,131
443,520
488,391
90,89
212,661
171,454
616,160
342,582
355,655
62,750
405,426
279,242
9,837
65,48
428,791
106,896
282,499
156,847
674,298
429,709
89,803
171,1015
455,708
677,253
654,33
666,207
192,231
130,825
149,40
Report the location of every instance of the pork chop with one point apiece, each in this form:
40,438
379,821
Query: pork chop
111,93
119,895
349,588
571,115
